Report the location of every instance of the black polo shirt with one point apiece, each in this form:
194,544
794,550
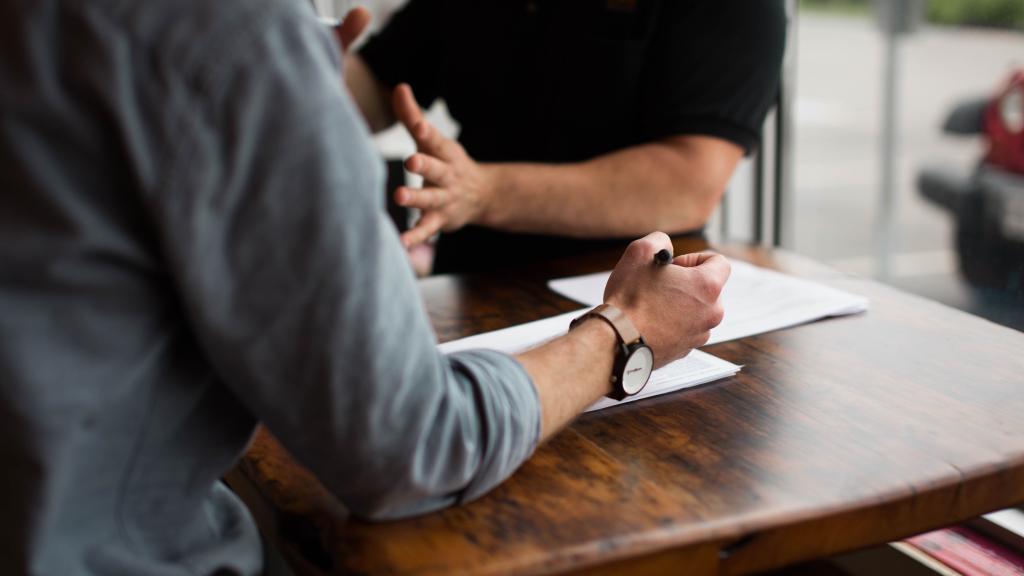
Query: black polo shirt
566,80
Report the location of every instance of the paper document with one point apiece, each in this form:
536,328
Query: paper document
697,368
756,300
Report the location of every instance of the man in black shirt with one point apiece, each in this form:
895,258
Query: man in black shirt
581,120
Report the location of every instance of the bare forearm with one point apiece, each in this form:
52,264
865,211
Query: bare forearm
672,185
571,372
370,96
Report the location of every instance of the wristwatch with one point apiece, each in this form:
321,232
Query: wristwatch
634,360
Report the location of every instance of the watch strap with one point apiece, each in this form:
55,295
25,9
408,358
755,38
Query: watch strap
627,332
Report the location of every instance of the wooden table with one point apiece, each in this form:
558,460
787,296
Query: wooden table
836,435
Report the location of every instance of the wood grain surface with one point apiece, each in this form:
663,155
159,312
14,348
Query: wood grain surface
835,435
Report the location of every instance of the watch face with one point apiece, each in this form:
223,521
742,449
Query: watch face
638,370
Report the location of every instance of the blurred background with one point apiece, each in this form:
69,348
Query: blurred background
859,172
956,52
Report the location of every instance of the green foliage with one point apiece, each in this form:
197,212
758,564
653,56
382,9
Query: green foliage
840,6
1001,13
996,13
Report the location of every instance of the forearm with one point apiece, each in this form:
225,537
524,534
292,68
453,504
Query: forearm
571,373
371,97
465,428
480,416
672,185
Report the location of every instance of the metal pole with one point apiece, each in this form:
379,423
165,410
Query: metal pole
784,133
723,212
887,202
758,187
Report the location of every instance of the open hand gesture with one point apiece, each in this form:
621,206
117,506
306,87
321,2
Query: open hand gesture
456,188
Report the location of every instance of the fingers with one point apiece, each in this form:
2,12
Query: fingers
407,110
352,26
716,267
707,279
645,248
433,170
422,198
429,139
429,224
692,259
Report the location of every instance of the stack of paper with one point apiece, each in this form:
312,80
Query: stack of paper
756,300
697,368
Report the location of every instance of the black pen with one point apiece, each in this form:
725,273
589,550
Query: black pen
663,257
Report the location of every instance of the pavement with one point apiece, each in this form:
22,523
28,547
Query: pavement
837,160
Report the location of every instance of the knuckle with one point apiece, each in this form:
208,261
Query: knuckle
715,315
702,339
710,287
435,166
659,238
423,130
704,288
642,246
714,287
726,265
636,247
725,271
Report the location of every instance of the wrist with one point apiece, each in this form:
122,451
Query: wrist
488,213
596,330
628,311
633,358
593,334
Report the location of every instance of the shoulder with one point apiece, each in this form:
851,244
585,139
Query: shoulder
737,20
207,74
201,38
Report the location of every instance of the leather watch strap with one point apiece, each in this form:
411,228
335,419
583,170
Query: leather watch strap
620,323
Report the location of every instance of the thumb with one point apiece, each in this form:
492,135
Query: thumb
692,259
352,26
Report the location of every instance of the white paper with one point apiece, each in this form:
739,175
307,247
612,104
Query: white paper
697,368
756,300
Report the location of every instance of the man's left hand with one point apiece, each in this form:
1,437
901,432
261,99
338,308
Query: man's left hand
352,27
456,189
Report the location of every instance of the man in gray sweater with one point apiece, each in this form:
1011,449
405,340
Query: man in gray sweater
192,240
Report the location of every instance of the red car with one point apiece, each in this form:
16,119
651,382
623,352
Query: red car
988,204
1004,126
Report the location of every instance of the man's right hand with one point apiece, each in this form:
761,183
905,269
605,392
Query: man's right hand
674,306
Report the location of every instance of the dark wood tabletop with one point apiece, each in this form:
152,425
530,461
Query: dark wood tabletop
836,435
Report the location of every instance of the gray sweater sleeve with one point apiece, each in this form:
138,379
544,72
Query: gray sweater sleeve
293,280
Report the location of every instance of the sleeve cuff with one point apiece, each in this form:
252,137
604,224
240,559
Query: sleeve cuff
708,126
509,409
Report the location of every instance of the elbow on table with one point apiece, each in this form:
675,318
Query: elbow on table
389,495
409,472
444,447
381,507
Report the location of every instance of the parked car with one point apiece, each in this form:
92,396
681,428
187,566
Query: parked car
987,203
